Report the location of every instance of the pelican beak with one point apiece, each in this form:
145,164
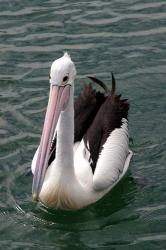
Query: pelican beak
58,97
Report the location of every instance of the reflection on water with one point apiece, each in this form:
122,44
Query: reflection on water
124,37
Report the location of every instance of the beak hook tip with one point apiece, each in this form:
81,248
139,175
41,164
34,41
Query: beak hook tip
34,198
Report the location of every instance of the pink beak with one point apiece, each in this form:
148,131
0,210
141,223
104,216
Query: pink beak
58,97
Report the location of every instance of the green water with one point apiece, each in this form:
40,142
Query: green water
127,37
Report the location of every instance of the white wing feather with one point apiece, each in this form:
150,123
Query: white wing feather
114,159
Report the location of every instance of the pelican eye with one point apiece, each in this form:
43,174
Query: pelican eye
65,79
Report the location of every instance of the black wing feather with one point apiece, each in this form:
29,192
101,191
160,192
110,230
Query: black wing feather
108,118
86,107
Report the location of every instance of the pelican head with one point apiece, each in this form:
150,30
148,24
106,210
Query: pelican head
62,71
62,76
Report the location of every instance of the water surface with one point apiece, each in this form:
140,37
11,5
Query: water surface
124,37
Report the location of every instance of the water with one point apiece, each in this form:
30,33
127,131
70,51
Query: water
124,37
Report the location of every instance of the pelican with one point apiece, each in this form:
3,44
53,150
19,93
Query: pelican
84,148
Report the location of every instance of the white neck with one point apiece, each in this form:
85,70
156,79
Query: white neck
65,139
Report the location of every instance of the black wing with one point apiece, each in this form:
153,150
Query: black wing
86,107
108,118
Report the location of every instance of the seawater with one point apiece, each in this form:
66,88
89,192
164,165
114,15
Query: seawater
124,37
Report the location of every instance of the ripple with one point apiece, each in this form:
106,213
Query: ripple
152,208
18,137
152,237
8,156
3,123
140,33
106,21
23,11
143,6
